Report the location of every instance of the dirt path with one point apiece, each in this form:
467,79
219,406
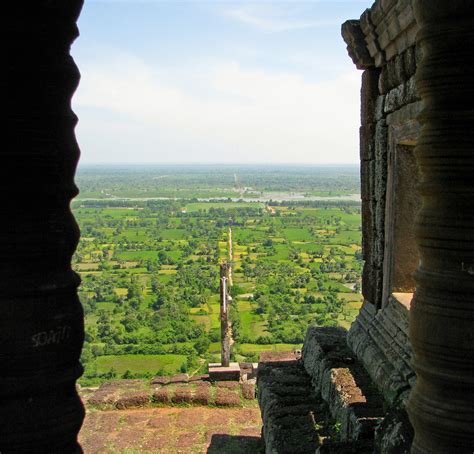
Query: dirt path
172,430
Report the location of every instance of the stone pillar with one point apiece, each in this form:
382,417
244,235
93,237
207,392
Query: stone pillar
224,316
41,322
441,406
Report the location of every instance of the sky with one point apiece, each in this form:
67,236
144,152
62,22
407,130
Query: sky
173,81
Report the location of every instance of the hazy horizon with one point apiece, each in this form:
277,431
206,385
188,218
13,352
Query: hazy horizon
214,164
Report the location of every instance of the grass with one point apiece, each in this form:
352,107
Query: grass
169,363
249,349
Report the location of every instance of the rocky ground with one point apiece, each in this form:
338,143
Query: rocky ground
172,430
171,415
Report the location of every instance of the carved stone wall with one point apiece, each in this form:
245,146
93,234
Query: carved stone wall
383,44
41,323
418,194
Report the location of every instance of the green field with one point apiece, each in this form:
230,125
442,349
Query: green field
169,364
149,268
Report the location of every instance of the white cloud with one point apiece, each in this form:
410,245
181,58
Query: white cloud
132,111
274,18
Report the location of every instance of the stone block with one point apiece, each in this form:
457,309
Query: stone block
380,181
381,139
182,394
392,79
133,400
394,99
161,395
368,230
366,142
356,46
367,179
341,382
411,93
248,391
369,93
369,280
162,380
379,285
221,373
379,108
395,433
179,378
287,410
199,378
384,84
379,213
278,358
202,396
399,71
409,61
231,384
418,54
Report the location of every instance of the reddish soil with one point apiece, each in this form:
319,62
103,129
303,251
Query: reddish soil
172,430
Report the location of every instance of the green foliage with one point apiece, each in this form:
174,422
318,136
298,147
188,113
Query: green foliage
150,267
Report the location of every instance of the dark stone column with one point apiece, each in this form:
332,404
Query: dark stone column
441,406
224,315
41,322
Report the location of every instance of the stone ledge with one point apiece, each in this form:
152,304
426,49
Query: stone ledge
380,341
342,383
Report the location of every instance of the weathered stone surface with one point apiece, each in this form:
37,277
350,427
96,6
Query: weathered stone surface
380,341
182,394
369,93
202,395
287,403
179,378
347,447
133,400
409,61
161,395
227,398
162,380
397,71
367,176
366,143
380,108
395,434
368,229
356,46
219,373
199,378
401,95
248,391
342,383
369,284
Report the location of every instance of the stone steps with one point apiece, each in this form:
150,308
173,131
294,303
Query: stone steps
342,383
287,403
323,401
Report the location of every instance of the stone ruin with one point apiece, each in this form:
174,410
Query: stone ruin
400,380
403,356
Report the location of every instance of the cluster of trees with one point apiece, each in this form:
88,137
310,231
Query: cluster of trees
143,305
